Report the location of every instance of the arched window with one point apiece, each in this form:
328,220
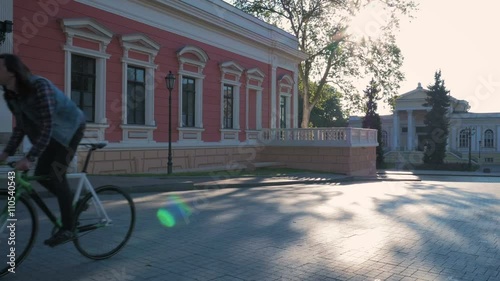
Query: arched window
488,139
384,139
464,139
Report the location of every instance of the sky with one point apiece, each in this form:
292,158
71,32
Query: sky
461,38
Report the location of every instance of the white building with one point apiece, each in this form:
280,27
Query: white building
403,132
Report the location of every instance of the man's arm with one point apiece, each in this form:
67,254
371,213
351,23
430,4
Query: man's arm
14,141
45,105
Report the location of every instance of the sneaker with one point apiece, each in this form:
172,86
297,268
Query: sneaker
61,236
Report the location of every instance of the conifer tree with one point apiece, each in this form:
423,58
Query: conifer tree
372,119
436,121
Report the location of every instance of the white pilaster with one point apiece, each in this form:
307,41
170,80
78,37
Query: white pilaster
273,97
409,144
497,138
453,139
395,130
296,98
478,137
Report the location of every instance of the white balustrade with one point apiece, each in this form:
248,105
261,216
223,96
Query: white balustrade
337,136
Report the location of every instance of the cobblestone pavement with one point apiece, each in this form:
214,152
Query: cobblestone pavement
359,231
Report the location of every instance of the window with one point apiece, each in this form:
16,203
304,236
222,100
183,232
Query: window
85,71
136,87
463,139
255,77
83,84
228,107
230,100
283,111
488,160
384,139
285,86
188,102
192,61
488,139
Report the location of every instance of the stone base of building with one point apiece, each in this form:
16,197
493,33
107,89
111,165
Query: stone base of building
359,161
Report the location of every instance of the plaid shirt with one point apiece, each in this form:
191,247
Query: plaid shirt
45,102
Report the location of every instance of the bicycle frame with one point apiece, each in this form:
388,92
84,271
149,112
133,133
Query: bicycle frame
23,186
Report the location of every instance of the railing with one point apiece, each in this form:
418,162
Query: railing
456,152
338,136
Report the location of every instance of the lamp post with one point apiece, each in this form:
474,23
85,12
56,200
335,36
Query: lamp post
479,150
470,131
170,80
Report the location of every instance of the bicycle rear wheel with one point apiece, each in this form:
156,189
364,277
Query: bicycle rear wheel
18,229
98,238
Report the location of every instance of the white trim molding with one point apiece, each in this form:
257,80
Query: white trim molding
230,76
255,78
215,23
192,68
140,45
88,29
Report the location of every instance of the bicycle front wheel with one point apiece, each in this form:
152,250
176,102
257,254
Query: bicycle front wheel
18,229
104,224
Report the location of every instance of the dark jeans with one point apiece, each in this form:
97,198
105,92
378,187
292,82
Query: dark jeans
54,162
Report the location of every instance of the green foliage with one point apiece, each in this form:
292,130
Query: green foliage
372,119
436,121
335,56
328,112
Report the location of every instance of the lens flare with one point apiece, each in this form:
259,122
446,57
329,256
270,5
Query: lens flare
174,211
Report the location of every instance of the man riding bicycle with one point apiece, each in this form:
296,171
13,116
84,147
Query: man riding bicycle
53,124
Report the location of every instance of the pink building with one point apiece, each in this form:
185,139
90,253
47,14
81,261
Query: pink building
236,76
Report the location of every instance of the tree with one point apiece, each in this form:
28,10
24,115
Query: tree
372,119
328,112
436,121
335,55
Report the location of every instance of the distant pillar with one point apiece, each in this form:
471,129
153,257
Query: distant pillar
410,131
395,130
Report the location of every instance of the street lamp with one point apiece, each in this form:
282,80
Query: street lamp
479,149
170,80
470,131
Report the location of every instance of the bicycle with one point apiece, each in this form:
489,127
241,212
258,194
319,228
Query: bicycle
93,214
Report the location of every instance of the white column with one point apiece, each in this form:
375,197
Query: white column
395,130
453,139
296,98
409,144
6,13
477,138
497,138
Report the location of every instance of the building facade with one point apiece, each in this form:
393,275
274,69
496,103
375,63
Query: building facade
234,76
234,102
404,131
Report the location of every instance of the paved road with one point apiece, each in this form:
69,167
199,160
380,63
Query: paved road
425,230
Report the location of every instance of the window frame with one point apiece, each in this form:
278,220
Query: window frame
489,139
463,139
230,72
139,44
89,30
192,61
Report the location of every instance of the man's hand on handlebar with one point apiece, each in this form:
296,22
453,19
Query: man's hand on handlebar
23,165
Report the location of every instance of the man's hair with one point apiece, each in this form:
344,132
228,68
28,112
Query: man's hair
22,73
